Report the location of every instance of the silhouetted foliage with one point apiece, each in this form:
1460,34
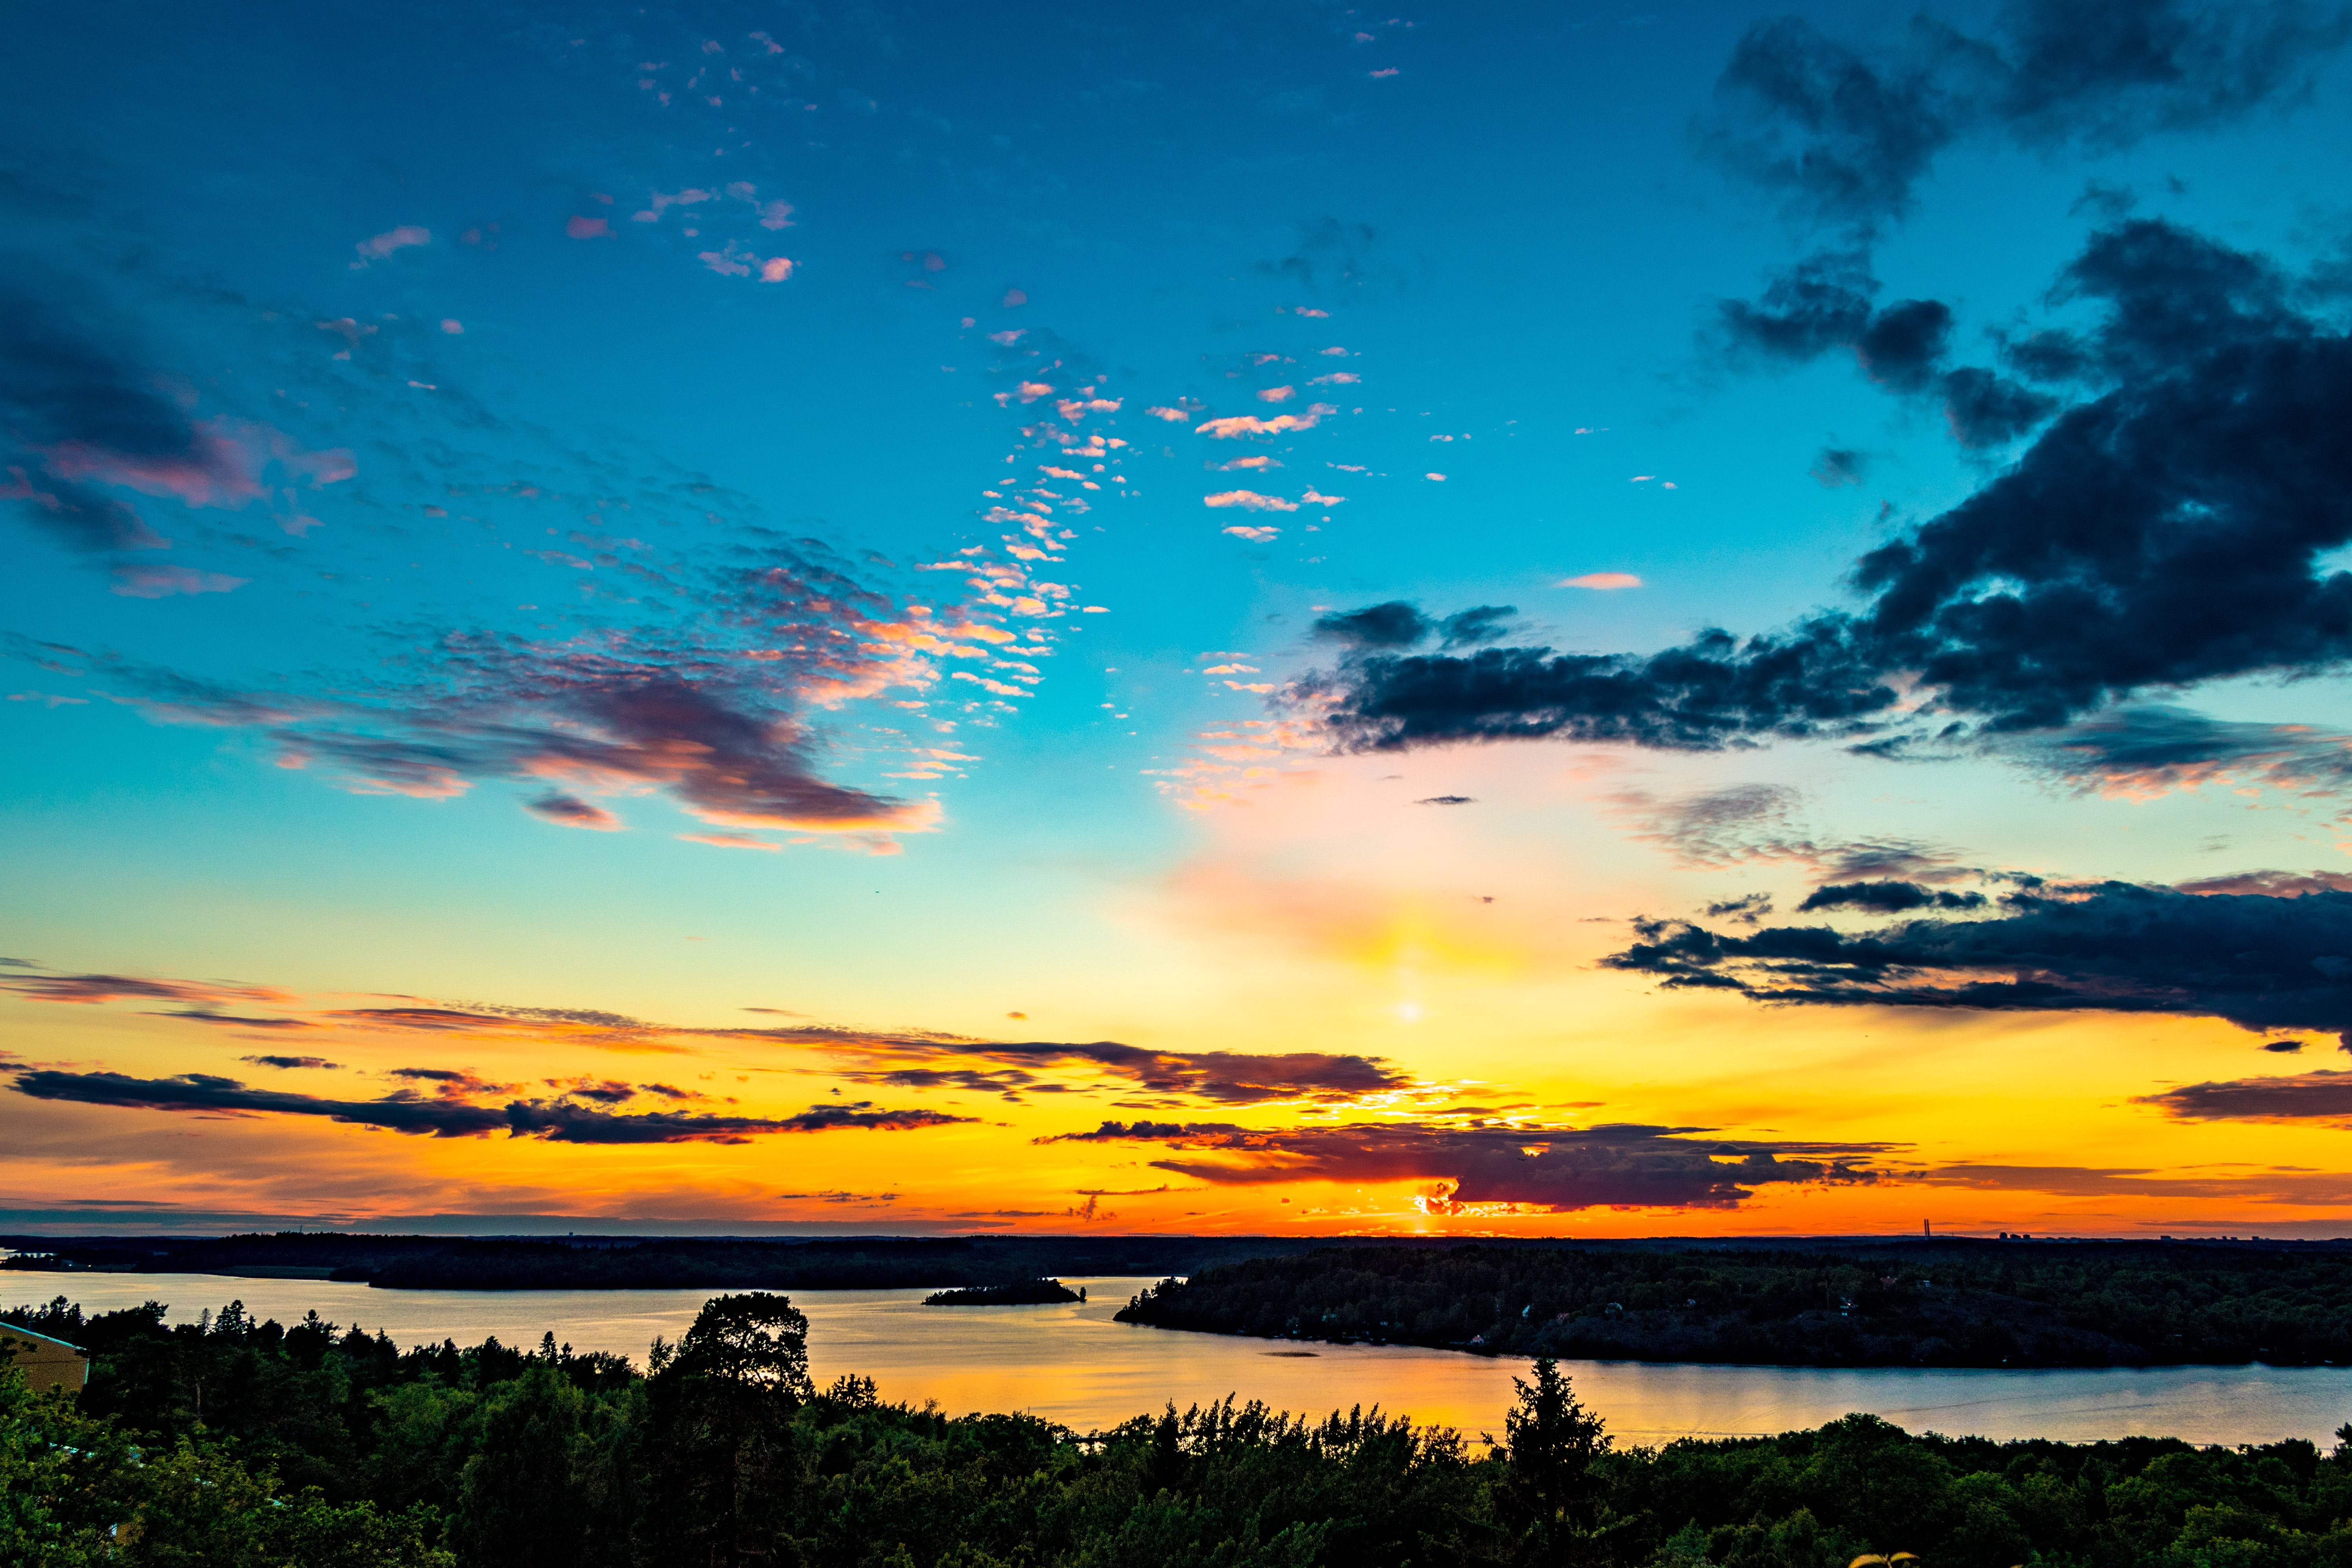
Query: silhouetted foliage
1023,1293
319,1447
1957,1303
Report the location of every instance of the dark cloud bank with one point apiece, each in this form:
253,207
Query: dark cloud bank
2165,530
2264,963
1621,1166
559,1121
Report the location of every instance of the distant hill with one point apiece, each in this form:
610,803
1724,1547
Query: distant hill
490,1263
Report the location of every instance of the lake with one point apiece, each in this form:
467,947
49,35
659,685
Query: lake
1073,1364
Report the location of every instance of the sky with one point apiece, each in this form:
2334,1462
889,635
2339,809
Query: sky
1520,619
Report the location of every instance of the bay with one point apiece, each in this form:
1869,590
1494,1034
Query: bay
1073,1364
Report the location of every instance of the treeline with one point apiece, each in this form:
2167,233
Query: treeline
1952,1304
1024,1293
623,1263
231,1444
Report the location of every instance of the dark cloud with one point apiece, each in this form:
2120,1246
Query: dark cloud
2172,528
1835,468
2262,963
291,1062
1748,908
1392,624
231,1020
1447,800
2148,749
1846,133
2274,884
2284,1048
71,404
2320,1096
1886,897
206,1093
1228,1078
1551,1169
556,1122
1474,626
1824,303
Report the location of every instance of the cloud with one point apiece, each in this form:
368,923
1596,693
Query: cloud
1391,625
1552,1170
163,581
91,989
2171,529
1846,134
1604,582
1249,500
1887,898
559,1121
571,811
2148,750
1836,467
2320,1096
1236,424
1741,823
2262,962
732,841
382,245
1225,1078
1824,302
1396,624
702,728
1448,799
578,227
291,1062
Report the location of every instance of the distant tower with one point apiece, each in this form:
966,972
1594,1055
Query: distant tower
1927,1230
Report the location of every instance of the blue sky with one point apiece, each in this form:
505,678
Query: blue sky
436,433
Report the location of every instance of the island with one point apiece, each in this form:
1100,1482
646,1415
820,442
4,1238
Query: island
1020,1293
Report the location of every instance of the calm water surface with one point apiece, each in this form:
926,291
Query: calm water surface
1075,1365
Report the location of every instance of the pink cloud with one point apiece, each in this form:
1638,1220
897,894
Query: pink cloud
1249,500
779,214
214,471
1278,394
453,326
1316,498
1385,71
1260,535
1170,414
725,262
390,240
580,227
1336,378
1014,297
732,841
775,270
1439,478
1603,581
1258,462
1226,430
163,581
